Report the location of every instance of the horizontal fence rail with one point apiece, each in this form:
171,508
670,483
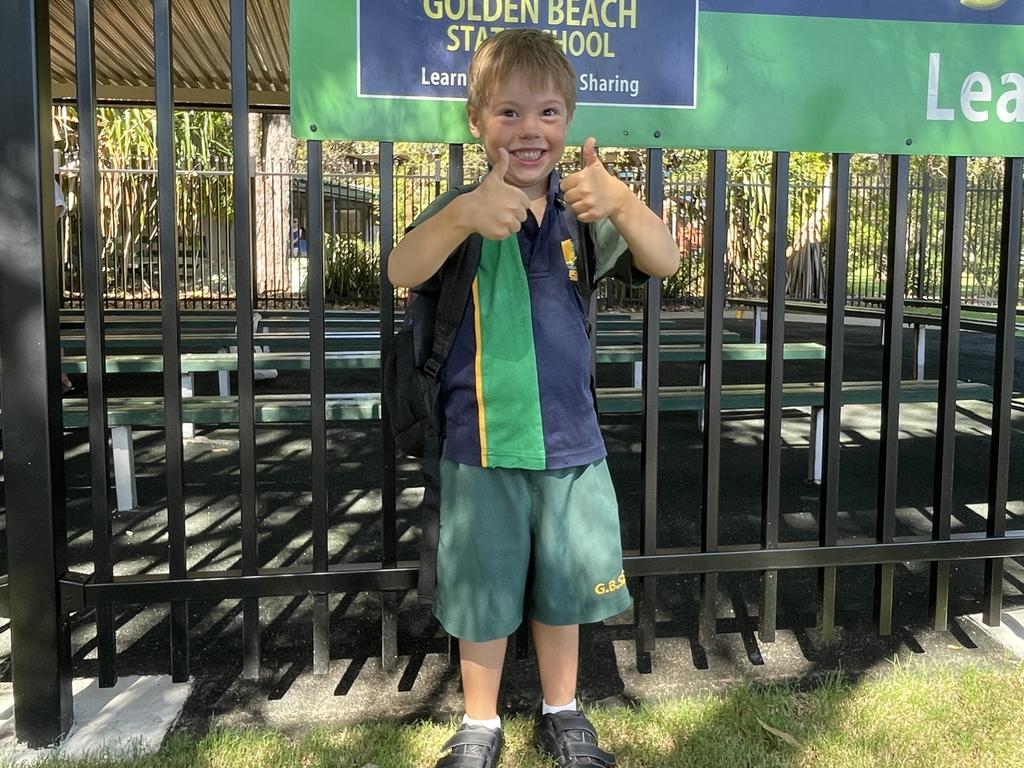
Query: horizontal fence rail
234,240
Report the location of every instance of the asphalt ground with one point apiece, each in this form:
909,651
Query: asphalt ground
425,684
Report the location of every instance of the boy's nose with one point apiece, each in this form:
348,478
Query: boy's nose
530,126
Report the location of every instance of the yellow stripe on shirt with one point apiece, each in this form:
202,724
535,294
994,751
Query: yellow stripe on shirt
478,367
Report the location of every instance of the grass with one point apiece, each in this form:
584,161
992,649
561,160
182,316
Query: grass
909,716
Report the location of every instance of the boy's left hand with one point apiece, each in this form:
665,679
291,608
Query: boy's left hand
593,193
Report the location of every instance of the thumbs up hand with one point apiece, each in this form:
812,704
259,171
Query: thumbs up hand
590,153
496,209
593,193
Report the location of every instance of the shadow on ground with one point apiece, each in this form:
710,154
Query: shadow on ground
425,684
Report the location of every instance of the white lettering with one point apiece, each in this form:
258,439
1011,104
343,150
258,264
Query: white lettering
934,111
592,84
1015,95
971,94
442,78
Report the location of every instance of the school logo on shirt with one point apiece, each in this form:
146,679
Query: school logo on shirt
569,254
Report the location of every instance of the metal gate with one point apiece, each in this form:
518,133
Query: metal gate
41,591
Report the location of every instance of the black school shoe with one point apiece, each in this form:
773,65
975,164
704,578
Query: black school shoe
570,740
472,746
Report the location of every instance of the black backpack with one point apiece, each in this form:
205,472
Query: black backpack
419,350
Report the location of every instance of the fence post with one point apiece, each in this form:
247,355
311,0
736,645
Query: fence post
922,251
29,288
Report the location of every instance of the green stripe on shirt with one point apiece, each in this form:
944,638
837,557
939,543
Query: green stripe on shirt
508,392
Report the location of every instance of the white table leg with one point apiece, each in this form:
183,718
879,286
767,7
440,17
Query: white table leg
817,439
920,339
702,380
188,388
124,468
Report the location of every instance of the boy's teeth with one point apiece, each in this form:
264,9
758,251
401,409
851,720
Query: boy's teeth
532,155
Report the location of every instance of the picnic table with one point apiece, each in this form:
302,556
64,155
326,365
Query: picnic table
224,362
335,340
919,321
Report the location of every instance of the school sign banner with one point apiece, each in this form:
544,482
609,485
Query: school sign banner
889,76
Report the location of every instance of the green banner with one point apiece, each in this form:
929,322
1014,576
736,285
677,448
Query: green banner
927,77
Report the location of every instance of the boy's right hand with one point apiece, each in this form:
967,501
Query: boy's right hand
496,209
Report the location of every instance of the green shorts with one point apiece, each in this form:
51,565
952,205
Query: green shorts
500,526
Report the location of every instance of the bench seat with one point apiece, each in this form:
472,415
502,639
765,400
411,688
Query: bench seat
205,362
125,413
334,340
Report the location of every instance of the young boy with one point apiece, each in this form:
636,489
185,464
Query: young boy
524,483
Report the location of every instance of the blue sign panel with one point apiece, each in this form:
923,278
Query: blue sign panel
638,53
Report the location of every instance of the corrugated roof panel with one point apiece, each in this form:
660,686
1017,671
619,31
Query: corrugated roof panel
124,46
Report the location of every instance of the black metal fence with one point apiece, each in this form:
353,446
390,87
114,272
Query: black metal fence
279,200
42,591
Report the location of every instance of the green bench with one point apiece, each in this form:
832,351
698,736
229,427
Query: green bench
126,413
128,325
334,340
222,363
228,361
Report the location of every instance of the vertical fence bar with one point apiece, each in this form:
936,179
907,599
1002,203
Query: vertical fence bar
318,395
389,542
838,253
170,330
647,597
456,165
92,297
715,245
249,274
456,176
771,468
937,223
32,431
857,200
999,457
967,279
925,227
892,369
949,359
243,319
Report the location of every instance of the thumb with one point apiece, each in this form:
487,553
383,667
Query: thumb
590,153
500,168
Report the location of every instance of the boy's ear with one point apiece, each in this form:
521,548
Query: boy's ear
474,124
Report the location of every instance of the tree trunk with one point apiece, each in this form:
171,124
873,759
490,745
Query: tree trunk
805,268
271,142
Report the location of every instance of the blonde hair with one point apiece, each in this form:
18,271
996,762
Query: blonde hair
537,55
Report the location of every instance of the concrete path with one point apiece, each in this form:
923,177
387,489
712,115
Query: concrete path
1009,633
131,718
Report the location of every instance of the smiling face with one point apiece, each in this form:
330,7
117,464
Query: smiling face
531,123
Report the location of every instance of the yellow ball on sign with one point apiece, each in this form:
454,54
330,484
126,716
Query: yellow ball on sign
982,5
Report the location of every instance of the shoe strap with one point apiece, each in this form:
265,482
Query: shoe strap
578,749
473,738
463,761
571,721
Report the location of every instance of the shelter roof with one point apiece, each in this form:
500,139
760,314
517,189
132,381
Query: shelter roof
201,50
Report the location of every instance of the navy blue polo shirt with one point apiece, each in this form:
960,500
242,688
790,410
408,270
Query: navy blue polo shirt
515,389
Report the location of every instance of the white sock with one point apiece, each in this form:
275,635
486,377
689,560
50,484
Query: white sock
547,709
494,724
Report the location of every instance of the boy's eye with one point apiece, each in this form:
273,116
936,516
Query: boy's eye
508,113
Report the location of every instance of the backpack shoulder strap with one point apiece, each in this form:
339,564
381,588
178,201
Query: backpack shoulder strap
456,285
